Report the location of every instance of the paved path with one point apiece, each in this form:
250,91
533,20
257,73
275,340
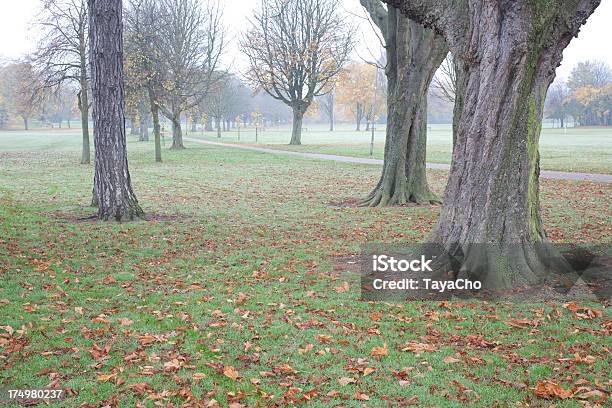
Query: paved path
561,175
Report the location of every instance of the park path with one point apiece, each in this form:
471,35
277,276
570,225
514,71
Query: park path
558,175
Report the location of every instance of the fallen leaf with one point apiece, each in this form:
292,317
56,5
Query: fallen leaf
346,381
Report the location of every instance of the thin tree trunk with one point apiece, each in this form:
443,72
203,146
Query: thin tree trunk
358,117
83,99
403,178
218,126
331,102
113,188
143,133
194,125
177,131
133,128
156,127
25,123
296,132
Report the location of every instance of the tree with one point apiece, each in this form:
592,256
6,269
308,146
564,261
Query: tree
327,104
444,82
355,90
62,54
191,37
112,185
225,101
556,105
590,73
142,59
509,52
295,49
413,55
20,82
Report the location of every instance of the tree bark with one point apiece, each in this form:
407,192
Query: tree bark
133,128
509,51
413,55
296,131
194,125
177,131
358,116
218,126
144,122
113,188
83,100
156,127
25,123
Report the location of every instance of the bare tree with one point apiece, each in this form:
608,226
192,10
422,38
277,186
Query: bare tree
112,185
192,39
444,83
295,49
62,54
142,58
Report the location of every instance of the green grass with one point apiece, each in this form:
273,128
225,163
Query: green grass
239,269
572,149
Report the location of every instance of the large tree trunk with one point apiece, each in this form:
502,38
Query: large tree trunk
509,51
156,127
296,131
177,131
403,178
113,188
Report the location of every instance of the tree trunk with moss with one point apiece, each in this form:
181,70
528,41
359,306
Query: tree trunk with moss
115,198
413,55
509,52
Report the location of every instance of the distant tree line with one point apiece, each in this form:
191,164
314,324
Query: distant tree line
586,96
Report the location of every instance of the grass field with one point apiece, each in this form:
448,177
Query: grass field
573,149
237,290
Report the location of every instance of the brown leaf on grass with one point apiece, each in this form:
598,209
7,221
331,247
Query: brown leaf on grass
416,347
146,339
230,372
346,381
124,321
379,352
140,388
590,393
307,349
323,338
583,312
361,396
106,377
523,323
550,389
173,365
342,288
450,360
